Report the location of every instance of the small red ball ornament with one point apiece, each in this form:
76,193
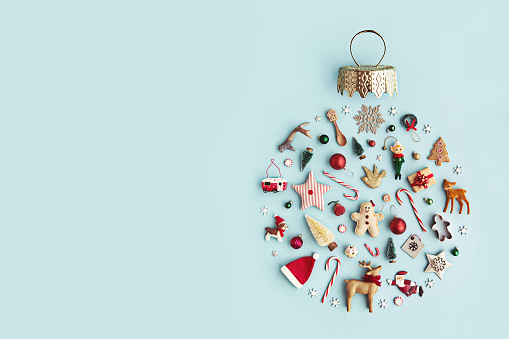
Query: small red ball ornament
398,226
339,209
338,161
371,143
296,242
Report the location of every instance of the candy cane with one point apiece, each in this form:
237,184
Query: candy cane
346,185
371,251
413,206
333,276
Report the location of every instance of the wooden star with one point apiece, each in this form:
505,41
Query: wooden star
311,193
437,263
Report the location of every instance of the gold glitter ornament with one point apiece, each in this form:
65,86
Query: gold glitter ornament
377,79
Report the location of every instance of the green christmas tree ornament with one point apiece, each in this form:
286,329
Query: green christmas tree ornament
391,252
306,157
357,149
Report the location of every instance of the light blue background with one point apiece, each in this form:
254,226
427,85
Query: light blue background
134,135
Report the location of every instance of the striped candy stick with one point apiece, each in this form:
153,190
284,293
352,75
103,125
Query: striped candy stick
371,251
333,276
346,185
413,206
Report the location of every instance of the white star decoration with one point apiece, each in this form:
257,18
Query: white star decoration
458,170
430,283
311,193
463,230
334,302
274,253
383,303
437,264
379,157
317,118
264,210
427,128
312,293
346,110
393,111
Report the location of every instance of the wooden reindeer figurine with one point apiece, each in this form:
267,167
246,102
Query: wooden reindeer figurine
457,194
369,286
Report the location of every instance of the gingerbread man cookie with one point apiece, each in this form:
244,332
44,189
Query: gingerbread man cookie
367,220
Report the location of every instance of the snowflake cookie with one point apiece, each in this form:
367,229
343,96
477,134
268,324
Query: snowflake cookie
458,170
463,230
312,293
346,110
369,119
430,283
383,303
318,118
427,128
274,253
334,302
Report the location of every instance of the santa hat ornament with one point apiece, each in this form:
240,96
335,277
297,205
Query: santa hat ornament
279,220
298,271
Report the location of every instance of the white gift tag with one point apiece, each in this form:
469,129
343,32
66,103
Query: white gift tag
413,245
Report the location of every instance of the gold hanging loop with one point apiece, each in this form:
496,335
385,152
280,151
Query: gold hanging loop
385,147
368,31
395,211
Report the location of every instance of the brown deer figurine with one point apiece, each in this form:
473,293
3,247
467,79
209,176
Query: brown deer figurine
369,286
457,194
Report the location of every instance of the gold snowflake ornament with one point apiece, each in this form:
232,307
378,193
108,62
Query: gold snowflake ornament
369,119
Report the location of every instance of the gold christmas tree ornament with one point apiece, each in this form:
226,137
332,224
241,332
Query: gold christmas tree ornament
377,79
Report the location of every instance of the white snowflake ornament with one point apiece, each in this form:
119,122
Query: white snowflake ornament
312,293
427,128
463,230
264,210
346,110
458,170
430,283
379,157
318,118
334,302
274,253
393,111
383,303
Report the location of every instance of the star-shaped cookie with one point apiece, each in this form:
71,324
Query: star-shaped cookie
311,193
437,263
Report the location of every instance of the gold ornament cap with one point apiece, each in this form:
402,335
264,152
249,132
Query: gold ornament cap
378,79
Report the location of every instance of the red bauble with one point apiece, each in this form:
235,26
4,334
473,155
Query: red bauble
296,242
371,143
338,208
398,226
338,161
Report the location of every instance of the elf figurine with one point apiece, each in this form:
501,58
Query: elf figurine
406,286
398,158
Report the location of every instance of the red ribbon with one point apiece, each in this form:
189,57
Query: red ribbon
422,180
412,126
370,278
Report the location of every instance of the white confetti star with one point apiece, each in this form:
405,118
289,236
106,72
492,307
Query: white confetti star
458,170
427,128
334,302
312,293
383,303
379,157
274,253
264,210
346,110
393,111
430,283
317,118
463,230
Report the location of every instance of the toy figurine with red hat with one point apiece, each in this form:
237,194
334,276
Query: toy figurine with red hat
298,271
276,232
406,286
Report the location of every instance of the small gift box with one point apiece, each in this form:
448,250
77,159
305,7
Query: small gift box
422,179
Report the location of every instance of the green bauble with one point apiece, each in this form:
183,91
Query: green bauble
323,139
392,128
455,252
288,204
428,201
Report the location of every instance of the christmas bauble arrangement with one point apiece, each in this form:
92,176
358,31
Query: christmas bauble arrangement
332,206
